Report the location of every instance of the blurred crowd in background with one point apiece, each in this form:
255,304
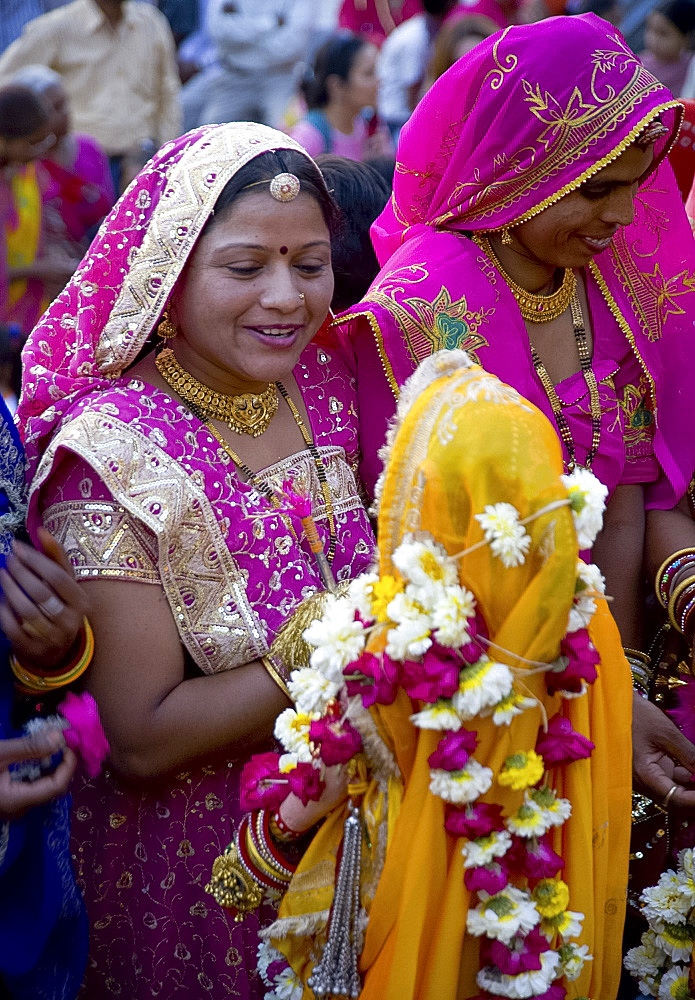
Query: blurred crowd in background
89,89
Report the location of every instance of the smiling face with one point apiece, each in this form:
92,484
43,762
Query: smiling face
582,224
254,292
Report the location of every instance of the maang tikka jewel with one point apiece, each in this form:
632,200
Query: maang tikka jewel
166,329
283,187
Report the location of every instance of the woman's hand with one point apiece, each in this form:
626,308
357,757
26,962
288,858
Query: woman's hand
43,606
18,797
300,818
661,756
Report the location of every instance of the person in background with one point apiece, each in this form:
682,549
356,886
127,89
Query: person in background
118,65
463,30
360,192
668,45
77,184
260,46
339,88
28,269
376,19
403,62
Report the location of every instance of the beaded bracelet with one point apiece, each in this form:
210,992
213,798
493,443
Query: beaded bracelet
640,668
279,830
681,593
668,570
35,681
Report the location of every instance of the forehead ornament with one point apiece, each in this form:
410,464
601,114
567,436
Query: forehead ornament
652,132
283,187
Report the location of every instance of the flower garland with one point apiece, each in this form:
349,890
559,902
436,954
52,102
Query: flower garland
662,962
436,649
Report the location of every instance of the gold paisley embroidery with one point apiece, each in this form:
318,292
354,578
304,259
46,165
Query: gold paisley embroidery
639,419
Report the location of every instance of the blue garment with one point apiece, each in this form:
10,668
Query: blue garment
43,924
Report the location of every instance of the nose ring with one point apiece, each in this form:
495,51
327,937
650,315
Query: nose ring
302,296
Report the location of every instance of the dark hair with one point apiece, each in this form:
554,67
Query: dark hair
361,193
267,165
21,112
438,8
681,14
336,57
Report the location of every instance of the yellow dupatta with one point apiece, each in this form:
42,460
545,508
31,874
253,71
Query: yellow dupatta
468,441
23,237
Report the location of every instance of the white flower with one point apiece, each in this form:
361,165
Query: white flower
507,538
463,786
510,706
573,956
674,985
666,900
338,639
410,638
360,593
481,685
451,615
588,501
287,762
310,690
526,984
646,963
569,924
502,916
540,811
441,715
676,940
266,955
590,582
483,850
423,561
292,730
287,986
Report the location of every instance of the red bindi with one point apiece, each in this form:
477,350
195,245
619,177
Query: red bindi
283,249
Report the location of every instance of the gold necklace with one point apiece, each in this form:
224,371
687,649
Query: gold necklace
248,413
534,308
591,383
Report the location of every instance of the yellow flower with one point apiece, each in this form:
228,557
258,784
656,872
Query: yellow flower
551,896
383,592
522,770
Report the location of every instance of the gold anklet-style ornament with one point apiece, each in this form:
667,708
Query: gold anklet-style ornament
534,308
248,413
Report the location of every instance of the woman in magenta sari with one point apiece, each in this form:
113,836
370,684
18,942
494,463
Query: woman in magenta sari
553,247
165,475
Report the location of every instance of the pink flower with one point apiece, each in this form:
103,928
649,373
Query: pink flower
305,781
378,680
338,741
583,660
453,750
435,676
86,736
562,744
490,878
294,503
523,955
533,857
684,714
477,820
261,785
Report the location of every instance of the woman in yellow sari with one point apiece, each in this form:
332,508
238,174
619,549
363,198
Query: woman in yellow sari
496,808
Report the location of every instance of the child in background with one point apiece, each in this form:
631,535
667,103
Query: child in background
668,41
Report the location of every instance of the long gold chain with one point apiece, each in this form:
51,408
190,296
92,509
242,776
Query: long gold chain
534,308
247,413
172,373
591,384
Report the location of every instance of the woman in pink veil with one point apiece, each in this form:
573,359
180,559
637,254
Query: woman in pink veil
175,496
535,223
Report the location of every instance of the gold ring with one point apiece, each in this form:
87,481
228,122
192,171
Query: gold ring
33,630
52,607
668,796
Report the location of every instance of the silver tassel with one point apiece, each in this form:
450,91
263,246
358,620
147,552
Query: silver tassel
336,974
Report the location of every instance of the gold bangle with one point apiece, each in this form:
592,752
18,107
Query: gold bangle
683,585
51,682
276,675
665,566
263,864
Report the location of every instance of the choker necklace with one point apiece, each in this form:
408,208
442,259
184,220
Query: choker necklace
591,384
534,308
248,413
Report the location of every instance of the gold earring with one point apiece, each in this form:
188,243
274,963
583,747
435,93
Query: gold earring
506,237
166,329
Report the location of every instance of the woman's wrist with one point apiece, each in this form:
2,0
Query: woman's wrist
38,677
